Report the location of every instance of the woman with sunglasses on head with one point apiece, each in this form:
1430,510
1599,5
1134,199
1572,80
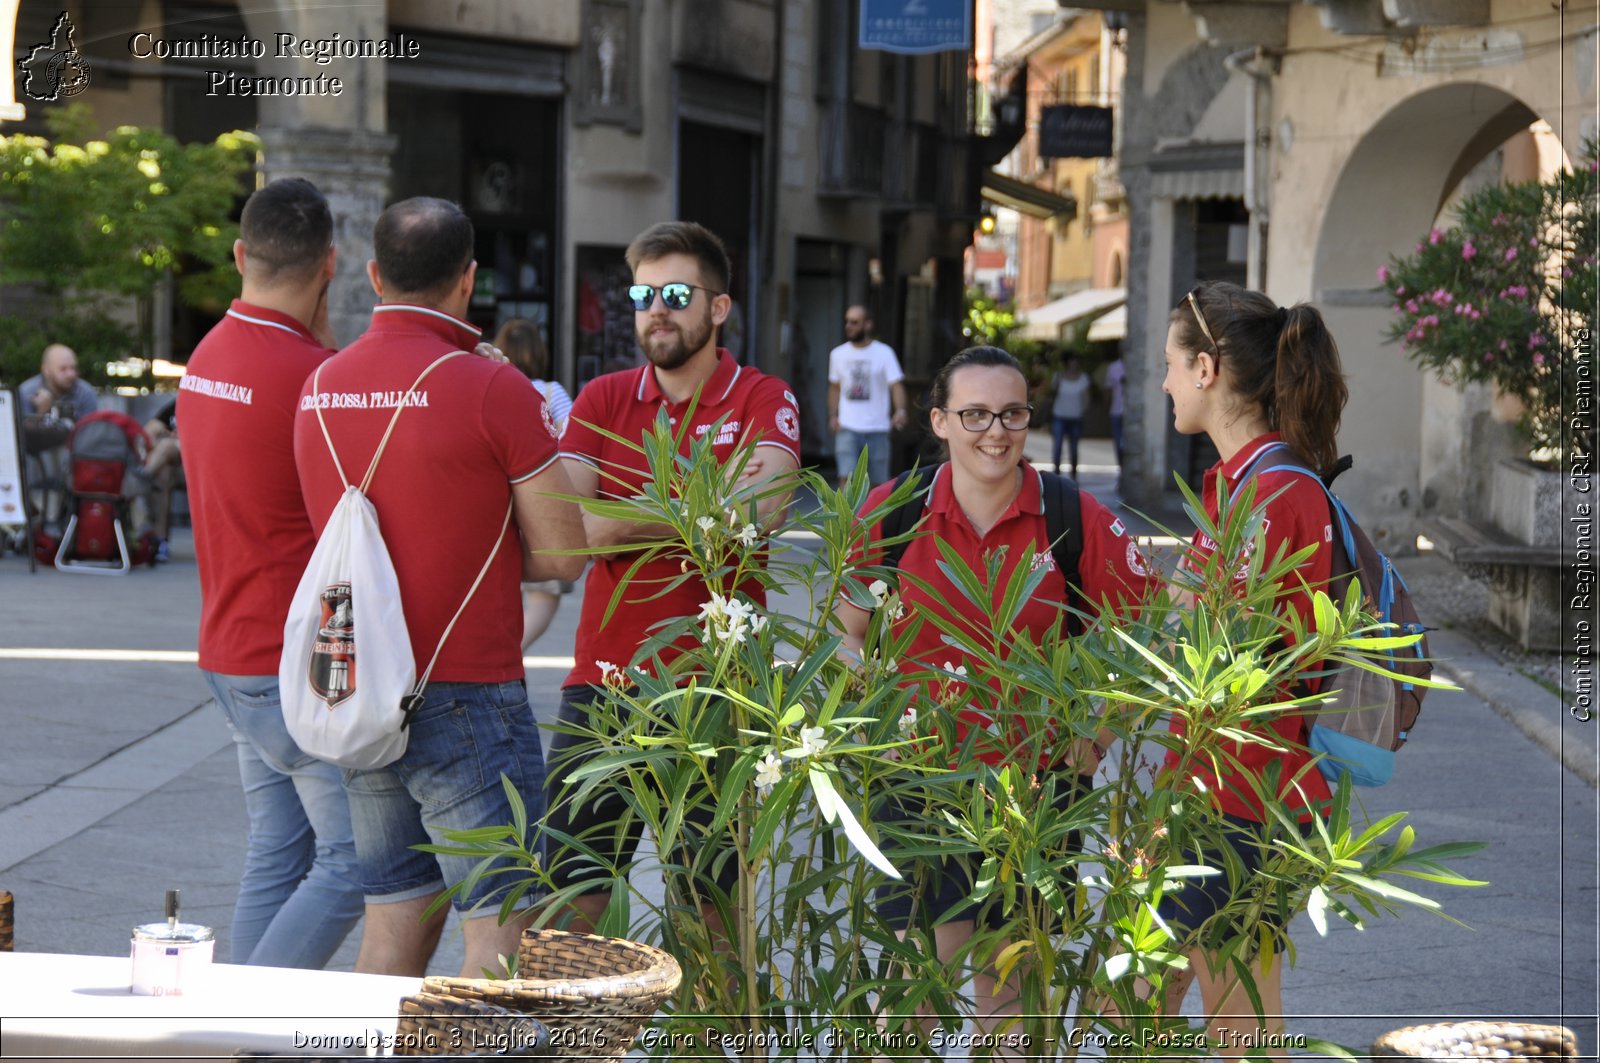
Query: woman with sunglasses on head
1263,382
985,499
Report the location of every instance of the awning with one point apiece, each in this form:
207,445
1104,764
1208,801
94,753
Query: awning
1047,322
1198,184
1112,326
1027,199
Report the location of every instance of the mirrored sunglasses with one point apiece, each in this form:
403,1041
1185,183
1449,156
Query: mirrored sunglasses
675,294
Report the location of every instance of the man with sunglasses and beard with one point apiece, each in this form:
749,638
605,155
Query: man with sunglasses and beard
680,300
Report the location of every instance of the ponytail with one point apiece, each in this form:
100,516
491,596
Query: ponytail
1279,360
1309,391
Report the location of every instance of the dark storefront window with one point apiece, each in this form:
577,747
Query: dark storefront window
497,157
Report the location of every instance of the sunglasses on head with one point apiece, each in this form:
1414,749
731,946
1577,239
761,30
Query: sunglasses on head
676,295
1199,316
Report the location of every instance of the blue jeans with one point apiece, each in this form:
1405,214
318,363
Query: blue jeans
465,736
847,448
1072,430
300,894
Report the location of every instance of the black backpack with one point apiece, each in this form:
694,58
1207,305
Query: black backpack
1063,522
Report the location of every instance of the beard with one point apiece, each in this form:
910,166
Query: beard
673,351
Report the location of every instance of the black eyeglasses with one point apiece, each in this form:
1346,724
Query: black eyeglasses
978,419
675,294
1199,315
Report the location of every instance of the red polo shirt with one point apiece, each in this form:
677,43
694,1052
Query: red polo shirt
1297,517
1113,572
471,430
757,407
252,536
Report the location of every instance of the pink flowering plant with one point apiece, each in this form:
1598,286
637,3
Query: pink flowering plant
1507,295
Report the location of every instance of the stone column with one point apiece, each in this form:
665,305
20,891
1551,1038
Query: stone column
336,140
351,168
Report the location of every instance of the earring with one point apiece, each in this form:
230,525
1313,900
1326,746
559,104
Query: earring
1199,386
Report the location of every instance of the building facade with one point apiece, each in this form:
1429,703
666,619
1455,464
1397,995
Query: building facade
834,174
1295,146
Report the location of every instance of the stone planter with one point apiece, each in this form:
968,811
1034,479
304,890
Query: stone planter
1525,599
1525,501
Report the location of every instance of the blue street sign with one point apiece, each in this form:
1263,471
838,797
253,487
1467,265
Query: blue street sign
916,27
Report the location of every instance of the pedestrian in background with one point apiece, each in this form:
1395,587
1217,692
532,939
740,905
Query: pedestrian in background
469,468
525,348
1066,414
301,891
1116,377
1262,381
864,380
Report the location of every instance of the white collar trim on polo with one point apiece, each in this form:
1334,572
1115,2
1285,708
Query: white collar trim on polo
263,321
413,308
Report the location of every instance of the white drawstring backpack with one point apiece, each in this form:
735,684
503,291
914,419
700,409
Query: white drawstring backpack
347,679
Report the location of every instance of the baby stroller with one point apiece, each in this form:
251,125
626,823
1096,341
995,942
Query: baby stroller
105,451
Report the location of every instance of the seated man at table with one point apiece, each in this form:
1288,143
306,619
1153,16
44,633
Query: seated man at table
51,402
161,472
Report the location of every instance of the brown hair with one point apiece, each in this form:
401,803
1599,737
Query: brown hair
1281,360
521,343
939,390
684,238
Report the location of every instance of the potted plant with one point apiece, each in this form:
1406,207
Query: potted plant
1506,295
795,747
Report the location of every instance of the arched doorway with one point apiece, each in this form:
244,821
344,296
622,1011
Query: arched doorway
1422,446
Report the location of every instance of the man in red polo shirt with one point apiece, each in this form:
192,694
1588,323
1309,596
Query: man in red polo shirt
301,892
473,447
679,295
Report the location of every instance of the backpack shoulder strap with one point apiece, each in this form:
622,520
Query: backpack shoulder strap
1063,523
366,481
901,520
1341,516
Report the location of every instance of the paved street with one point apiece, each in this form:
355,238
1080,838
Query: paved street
117,781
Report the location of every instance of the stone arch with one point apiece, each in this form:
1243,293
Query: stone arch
1424,447
1403,170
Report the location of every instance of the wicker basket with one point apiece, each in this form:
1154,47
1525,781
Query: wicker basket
434,1025
594,994
5,921
1478,1040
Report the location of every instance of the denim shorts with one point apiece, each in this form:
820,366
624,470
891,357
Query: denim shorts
1200,899
462,739
598,824
933,888
848,445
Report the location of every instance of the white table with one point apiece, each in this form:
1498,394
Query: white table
79,1006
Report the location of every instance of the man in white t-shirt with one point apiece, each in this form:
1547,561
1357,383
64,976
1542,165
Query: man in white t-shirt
863,376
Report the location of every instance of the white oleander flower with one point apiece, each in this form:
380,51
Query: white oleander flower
748,535
956,669
908,721
705,524
812,741
879,591
769,771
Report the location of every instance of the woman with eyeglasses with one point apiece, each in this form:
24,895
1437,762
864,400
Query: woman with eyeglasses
987,499
1263,382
